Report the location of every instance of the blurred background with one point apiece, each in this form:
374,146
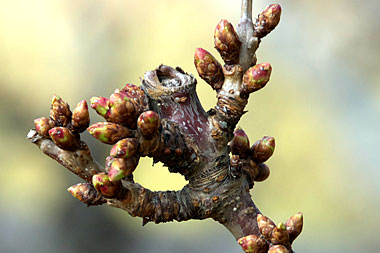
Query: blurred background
322,106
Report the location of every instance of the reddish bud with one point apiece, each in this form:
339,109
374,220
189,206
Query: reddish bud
294,226
62,137
60,111
148,123
100,105
239,143
84,192
137,96
280,235
263,172
263,149
209,69
108,133
81,119
124,148
268,20
256,77
103,185
227,42
265,225
43,125
252,244
278,249
119,168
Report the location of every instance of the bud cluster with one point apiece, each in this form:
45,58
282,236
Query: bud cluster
63,125
123,107
253,156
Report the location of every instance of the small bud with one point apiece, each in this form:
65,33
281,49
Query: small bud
122,110
227,42
265,225
263,149
81,119
119,168
239,143
278,249
268,20
294,226
100,105
209,69
103,185
108,133
280,235
62,137
252,244
84,192
263,172
43,125
256,77
124,148
137,96
148,123
60,111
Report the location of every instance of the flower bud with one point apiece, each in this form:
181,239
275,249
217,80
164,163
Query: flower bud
263,172
278,249
124,148
122,110
100,105
252,244
62,137
60,111
119,168
103,185
239,143
108,133
268,20
209,69
263,149
43,125
265,225
280,235
137,96
80,119
84,192
227,42
148,123
256,77
294,226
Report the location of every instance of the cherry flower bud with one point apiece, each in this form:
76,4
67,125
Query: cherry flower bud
256,77
209,69
43,125
227,42
62,137
60,111
80,118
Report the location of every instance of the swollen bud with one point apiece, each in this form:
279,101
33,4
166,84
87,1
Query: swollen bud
278,249
137,96
43,125
268,20
119,168
62,137
252,244
84,192
280,235
263,149
209,69
148,123
122,110
294,226
100,105
239,143
103,185
60,111
108,133
266,226
263,172
80,119
124,148
256,77
227,42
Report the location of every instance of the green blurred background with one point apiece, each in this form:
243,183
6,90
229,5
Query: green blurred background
322,105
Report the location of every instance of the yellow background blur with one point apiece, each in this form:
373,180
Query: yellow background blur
322,106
